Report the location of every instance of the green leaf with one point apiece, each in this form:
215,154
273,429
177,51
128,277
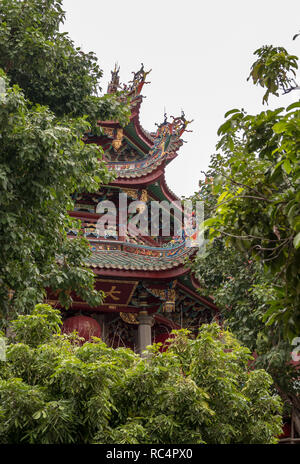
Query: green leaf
279,127
287,166
293,105
231,112
296,241
209,222
222,196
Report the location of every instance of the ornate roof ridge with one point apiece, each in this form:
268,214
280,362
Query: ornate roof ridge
140,127
111,256
165,143
174,246
132,91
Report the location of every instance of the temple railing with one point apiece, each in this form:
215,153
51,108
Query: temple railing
167,252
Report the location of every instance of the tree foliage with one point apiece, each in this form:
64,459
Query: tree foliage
274,70
48,67
48,100
258,198
53,390
252,201
243,291
42,163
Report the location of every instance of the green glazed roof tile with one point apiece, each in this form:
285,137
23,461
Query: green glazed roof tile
119,259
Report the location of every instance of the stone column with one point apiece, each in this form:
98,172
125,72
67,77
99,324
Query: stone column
144,331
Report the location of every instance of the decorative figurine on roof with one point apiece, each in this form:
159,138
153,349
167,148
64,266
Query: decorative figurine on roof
114,84
179,124
138,81
167,131
162,138
117,141
134,87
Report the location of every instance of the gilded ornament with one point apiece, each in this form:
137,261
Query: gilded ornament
144,195
131,193
109,131
130,318
117,142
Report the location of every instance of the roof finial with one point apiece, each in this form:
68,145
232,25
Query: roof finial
165,115
115,80
138,80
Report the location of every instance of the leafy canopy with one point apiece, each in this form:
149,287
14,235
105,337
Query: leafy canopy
42,163
48,67
199,391
257,193
252,211
274,70
48,100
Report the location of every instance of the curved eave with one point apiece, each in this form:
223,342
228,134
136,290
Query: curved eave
144,141
160,191
134,129
167,191
138,274
141,133
141,180
115,257
129,132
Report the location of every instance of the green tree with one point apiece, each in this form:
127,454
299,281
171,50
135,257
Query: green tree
252,199
48,67
201,390
242,291
274,70
48,100
42,163
257,191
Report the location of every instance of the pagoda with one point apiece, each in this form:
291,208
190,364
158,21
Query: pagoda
149,289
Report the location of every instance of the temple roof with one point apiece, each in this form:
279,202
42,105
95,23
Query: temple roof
133,170
165,144
128,256
138,159
132,152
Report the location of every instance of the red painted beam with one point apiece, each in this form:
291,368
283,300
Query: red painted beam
83,306
84,215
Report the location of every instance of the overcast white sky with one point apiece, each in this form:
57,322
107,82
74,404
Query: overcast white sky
200,53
